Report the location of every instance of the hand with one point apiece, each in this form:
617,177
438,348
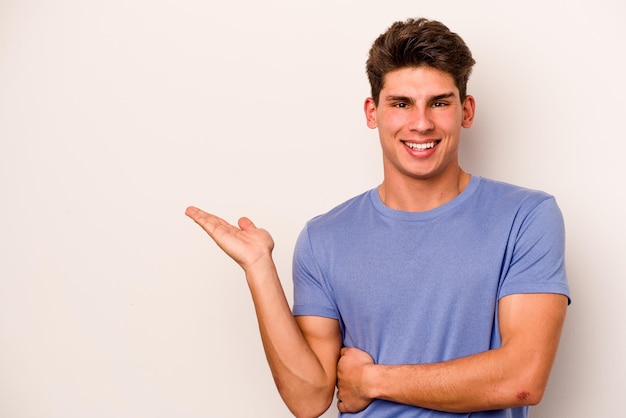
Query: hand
350,380
246,244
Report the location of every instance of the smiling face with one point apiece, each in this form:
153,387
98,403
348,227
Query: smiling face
419,119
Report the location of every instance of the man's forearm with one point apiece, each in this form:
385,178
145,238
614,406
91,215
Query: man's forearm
480,382
305,385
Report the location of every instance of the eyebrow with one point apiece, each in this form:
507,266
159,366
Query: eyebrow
399,99
443,96
410,100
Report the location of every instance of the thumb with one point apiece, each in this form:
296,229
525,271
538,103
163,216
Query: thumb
245,224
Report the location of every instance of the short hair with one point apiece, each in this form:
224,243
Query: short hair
417,43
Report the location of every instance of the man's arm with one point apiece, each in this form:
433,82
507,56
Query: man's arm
514,375
302,355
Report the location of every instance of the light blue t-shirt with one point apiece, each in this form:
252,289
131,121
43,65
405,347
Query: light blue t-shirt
423,287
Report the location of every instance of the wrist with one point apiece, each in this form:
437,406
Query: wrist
260,269
372,380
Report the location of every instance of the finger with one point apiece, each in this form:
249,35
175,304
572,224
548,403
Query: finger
194,212
340,405
207,221
245,224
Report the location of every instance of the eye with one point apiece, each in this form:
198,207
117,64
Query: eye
440,104
401,105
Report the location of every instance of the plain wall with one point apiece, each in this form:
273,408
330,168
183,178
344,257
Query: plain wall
116,115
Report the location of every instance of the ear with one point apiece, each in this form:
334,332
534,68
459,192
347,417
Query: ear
469,109
370,113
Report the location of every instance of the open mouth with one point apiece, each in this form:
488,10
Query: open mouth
421,147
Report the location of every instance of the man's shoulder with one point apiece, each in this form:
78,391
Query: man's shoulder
505,192
344,212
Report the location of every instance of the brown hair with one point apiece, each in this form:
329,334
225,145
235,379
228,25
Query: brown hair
416,43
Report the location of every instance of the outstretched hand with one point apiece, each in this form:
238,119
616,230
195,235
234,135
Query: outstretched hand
246,244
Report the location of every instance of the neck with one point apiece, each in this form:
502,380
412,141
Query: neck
419,195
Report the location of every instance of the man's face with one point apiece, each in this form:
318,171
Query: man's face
419,118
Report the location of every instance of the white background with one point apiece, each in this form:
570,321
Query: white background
115,115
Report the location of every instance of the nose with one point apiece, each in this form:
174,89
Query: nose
420,120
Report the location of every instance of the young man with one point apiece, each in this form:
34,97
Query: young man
434,294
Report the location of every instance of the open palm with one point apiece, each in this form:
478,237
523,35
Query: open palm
246,244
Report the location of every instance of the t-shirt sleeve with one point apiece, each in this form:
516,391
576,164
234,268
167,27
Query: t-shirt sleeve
312,295
538,259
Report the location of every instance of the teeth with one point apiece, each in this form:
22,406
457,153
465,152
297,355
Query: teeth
420,147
